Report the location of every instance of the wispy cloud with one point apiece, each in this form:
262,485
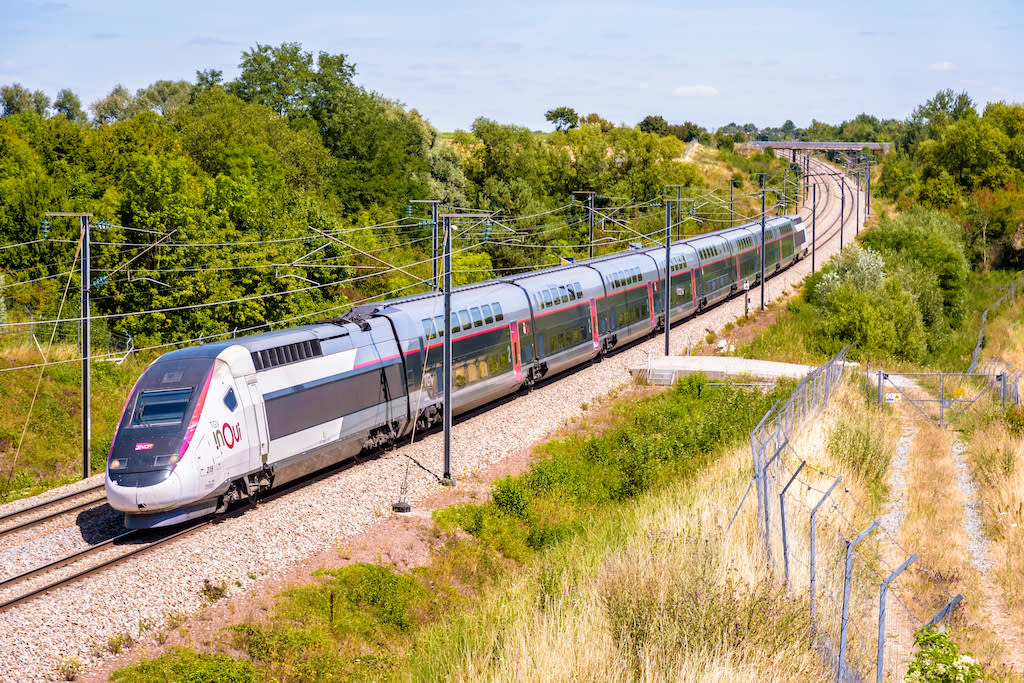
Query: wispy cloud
53,6
695,91
942,66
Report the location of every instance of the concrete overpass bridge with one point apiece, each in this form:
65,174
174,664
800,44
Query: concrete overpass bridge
822,146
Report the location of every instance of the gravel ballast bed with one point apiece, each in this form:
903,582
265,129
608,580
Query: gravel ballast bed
266,541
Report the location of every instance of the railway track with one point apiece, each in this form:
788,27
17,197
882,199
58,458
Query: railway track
6,585
24,519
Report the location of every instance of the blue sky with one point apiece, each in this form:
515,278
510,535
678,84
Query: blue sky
709,62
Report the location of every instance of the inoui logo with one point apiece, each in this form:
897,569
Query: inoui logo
231,435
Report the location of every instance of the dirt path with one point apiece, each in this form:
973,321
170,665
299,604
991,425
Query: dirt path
978,555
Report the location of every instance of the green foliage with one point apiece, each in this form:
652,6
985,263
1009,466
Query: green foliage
939,660
664,436
856,443
898,297
186,666
564,118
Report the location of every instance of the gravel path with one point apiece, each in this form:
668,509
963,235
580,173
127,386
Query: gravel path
894,510
977,542
145,594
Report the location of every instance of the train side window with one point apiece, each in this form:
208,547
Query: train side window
579,290
428,332
230,401
478,319
488,318
498,315
464,321
563,296
439,325
455,322
547,297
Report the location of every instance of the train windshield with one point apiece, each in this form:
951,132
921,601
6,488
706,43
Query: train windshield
161,407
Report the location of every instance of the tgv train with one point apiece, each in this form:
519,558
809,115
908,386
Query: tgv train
211,424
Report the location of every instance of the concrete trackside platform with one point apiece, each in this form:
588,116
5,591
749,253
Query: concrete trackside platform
666,370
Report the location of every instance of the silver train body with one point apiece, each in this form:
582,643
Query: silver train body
211,424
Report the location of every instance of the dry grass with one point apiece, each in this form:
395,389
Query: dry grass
934,529
673,600
997,463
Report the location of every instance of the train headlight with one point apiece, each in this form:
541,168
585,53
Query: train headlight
166,460
118,464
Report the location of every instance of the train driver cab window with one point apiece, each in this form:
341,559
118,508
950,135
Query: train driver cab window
229,399
161,407
478,319
464,321
488,318
498,315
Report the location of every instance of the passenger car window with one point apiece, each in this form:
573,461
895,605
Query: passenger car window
428,328
477,318
464,322
488,318
439,325
562,294
547,297
498,315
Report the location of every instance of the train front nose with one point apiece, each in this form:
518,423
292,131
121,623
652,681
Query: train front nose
148,489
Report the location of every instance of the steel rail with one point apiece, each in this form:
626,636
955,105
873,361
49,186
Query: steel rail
90,570
52,501
52,515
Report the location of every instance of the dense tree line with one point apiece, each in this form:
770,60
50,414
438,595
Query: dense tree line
229,181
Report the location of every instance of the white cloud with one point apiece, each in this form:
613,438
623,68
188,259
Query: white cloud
942,66
695,91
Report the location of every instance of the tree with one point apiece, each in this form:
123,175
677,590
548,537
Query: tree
594,119
654,124
163,97
564,118
69,106
788,128
282,78
17,99
116,106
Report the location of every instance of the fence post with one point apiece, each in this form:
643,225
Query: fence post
782,516
941,614
942,399
880,657
880,373
814,538
850,545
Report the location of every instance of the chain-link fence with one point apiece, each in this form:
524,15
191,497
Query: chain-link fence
1009,296
867,598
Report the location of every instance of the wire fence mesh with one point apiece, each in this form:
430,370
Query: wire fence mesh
867,595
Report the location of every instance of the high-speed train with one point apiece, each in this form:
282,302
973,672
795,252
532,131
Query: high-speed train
211,424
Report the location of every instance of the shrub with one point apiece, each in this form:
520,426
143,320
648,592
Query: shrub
939,660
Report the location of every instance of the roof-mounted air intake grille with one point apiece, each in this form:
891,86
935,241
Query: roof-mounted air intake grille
289,353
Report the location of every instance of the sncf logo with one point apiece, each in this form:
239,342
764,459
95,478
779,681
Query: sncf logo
228,435
142,446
